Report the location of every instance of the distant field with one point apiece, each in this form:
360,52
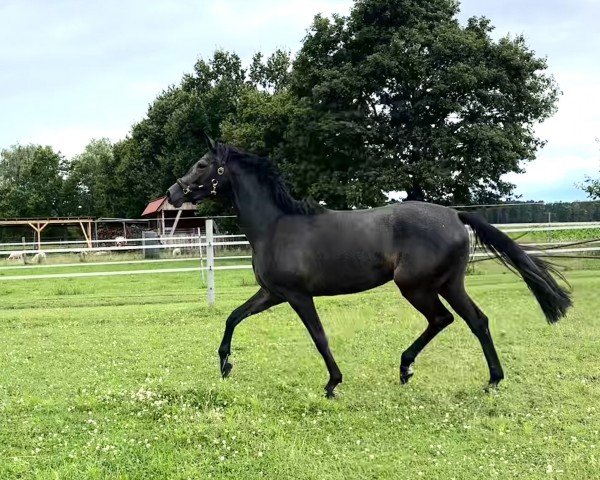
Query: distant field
117,378
573,235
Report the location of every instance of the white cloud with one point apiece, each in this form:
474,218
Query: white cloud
553,170
72,140
577,122
572,151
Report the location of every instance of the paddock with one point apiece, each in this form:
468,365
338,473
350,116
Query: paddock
106,372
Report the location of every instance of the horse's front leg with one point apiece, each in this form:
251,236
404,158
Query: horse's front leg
259,302
305,308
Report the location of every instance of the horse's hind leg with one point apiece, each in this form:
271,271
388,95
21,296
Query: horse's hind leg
428,303
462,304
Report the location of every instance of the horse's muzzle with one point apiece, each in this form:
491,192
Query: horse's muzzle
175,195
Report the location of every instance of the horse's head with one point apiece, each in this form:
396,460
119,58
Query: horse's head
206,178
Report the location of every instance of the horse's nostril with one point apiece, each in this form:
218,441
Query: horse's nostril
168,194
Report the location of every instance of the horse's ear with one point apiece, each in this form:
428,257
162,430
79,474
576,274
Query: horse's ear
210,143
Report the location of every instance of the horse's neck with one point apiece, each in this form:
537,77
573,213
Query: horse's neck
254,204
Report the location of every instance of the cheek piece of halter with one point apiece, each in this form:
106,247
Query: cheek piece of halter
191,187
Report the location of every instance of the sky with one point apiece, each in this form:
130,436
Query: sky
73,70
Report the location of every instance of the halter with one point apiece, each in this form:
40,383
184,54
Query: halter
189,188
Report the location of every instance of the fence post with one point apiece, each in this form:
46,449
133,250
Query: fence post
210,262
201,256
24,252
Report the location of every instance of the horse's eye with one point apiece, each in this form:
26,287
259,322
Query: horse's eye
202,164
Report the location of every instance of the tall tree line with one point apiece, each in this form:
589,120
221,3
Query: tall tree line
396,96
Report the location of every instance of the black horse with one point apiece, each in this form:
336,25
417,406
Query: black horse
302,250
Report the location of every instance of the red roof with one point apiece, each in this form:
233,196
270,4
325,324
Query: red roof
153,206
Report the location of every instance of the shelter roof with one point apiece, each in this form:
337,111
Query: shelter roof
162,204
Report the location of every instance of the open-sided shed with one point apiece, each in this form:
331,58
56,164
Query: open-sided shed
39,224
170,219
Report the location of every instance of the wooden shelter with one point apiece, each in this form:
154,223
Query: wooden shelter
38,225
169,219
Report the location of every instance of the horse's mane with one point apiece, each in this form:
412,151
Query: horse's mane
269,175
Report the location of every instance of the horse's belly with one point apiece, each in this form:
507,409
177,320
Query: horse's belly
323,276
346,287
337,275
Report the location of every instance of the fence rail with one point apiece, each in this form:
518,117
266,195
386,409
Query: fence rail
122,272
164,238
208,242
546,225
121,262
124,248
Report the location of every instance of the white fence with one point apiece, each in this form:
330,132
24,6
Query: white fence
194,243
556,247
208,243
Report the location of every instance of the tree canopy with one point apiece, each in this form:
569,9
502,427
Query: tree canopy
30,182
396,96
399,96
89,188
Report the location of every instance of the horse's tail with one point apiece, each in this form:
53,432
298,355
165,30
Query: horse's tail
553,299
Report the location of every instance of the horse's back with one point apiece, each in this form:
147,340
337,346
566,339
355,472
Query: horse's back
348,251
417,242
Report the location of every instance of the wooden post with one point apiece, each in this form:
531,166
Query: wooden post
87,233
175,222
38,227
210,262
89,229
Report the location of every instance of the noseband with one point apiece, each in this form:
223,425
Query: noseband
189,188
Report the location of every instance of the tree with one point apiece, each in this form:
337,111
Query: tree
592,186
400,96
247,107
162,146
31,180
89,186
273,74
264,108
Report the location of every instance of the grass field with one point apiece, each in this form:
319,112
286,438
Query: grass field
117,378
574,235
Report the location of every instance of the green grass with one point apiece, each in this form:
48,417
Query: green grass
572,235
117,378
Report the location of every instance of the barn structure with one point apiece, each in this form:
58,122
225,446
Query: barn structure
167,219
39,224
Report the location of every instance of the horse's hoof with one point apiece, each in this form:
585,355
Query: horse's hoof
405,374
329,393
492,387
226,370
225,367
